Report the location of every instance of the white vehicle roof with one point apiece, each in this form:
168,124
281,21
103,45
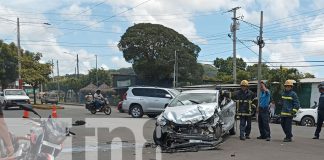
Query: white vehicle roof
201,91
151,87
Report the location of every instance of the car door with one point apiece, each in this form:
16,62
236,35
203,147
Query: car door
161,98
228,114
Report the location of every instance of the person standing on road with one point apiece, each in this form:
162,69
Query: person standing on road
4,135
263,116
243,99
290,106
320,111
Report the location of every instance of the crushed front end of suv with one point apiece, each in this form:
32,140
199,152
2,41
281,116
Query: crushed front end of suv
195,120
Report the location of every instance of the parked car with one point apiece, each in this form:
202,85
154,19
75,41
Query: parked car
150,101
13,97
195,119
307,116
50,98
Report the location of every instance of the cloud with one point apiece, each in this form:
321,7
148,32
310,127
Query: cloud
73,13
113,45
105,67
118,62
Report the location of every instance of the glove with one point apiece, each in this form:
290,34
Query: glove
294,112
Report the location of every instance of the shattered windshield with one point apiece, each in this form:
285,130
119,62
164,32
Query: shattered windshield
193,98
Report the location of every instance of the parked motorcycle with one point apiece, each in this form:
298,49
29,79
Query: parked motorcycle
44,142
91,106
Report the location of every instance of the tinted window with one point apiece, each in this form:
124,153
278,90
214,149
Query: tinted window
15,92
160,93
146,92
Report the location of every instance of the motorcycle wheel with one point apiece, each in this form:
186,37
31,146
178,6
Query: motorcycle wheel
107,110
93,111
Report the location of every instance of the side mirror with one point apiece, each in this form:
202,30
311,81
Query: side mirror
79,123
168,96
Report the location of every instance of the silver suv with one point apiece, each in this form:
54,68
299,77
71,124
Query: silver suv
147,100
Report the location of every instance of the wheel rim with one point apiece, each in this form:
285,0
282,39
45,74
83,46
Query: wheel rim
308,122
136,111
107,110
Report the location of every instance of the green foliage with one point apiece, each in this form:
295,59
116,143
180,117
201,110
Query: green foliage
104,76
253,70
151,48
226,65
8,64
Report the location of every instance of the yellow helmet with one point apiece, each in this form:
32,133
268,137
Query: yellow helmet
244,83
289,83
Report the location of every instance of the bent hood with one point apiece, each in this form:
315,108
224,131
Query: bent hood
189,114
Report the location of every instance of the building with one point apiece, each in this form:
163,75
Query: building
308,92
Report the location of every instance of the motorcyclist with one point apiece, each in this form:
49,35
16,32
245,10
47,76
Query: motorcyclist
5,136
98,99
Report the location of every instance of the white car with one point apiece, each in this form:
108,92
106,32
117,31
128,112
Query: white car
13,97
307,116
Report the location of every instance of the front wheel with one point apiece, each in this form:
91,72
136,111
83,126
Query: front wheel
93,110
107,110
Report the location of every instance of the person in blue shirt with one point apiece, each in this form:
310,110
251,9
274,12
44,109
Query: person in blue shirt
263,110
320,111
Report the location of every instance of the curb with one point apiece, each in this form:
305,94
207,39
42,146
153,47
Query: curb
46,107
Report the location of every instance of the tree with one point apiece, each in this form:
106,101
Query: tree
8,64
308,75
104,76
33,72
151,50
226,65
253,70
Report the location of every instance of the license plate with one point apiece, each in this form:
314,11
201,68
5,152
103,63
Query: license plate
194,141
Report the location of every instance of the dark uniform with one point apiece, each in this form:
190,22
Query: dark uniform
290,106
244,110
320,115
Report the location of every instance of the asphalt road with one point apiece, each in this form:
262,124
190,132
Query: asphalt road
101,142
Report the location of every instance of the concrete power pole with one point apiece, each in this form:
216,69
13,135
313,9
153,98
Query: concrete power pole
78,65
260,43
53,70
97,71
234,27
19,55
58,76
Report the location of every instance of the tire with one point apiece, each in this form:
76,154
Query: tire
152,115
93,111
136,111
107,110
307,121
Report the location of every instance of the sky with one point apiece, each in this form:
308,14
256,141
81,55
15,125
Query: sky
61,29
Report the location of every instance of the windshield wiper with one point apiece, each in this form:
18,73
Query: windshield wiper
193,101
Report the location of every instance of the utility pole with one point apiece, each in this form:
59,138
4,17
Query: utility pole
97,70
53,70
175,70
78,65
58,77
261,44
233,30
19,55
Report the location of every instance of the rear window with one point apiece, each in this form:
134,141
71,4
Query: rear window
146,92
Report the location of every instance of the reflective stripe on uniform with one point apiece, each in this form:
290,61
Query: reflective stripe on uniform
287,98
243,114
295,110
285,114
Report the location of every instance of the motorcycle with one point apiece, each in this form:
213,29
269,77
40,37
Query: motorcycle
91,106
44,142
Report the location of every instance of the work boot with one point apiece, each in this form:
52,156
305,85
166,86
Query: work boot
247,137
260,137
316,137
268,139
242,138
287,140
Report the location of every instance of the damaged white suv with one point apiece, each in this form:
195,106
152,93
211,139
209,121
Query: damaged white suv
195,119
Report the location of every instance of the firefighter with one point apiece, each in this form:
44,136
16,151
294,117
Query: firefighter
244,98
290,106
320,111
